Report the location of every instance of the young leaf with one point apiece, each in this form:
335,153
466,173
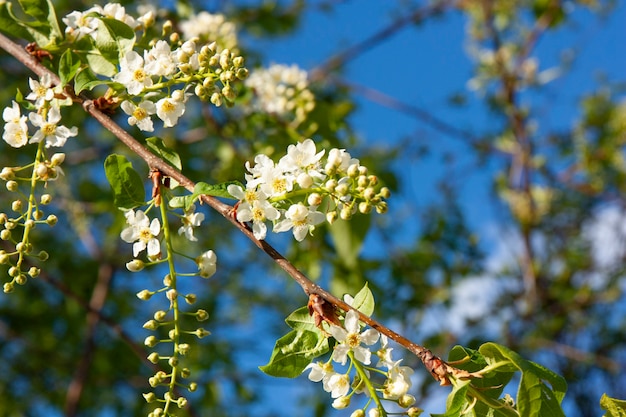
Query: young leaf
614,407
68,66
43,12
293,352
114,39
158,147
10,25
128,189
301,320
534,396
99,65
364,301
217,190
85,80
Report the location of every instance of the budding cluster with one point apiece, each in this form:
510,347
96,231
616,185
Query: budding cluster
303,190
281,91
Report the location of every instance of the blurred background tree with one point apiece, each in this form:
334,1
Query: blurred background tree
506,224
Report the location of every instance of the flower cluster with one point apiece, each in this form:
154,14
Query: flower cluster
158,79
292,192
170,339
353,345
210,27
281,91
41,126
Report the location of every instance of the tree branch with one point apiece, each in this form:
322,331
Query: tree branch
439,369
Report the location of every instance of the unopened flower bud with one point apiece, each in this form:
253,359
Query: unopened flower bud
238,61
38,214
173,361
358,413
57,159
384,192
7,174
21,279
160,315
144,295
304,180
33,272
172,334
151,325
185,373
167,280
11,185
5,234
8,287
190,298
353,170
362,181
414,412
43,256
181,402
225,58
200,333
154,357
216,99
346,213
151,341
364,207
381,207
52,220
171,294
16,205
373,412
314,199
202,315
342,189
192,387
341,403
150,397
14,271
406,401
331,216
135,265
242,73
331,185
4,258
183,348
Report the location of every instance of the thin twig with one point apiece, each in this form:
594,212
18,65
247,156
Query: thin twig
440,370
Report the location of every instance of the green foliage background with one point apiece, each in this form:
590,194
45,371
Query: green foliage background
61,357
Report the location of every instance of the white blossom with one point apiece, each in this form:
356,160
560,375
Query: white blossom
41,91
140,114
159,60
132,73
170,110
350,339
49,130
301,219
142,233
15,128
302,158
191,219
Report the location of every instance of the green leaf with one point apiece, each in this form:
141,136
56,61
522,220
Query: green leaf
100,65
301,320
158,147
69,65
85,80
202,188
43,12
534,396
457,401
364,301
10,25
128,188
114,39
614,407
293,352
